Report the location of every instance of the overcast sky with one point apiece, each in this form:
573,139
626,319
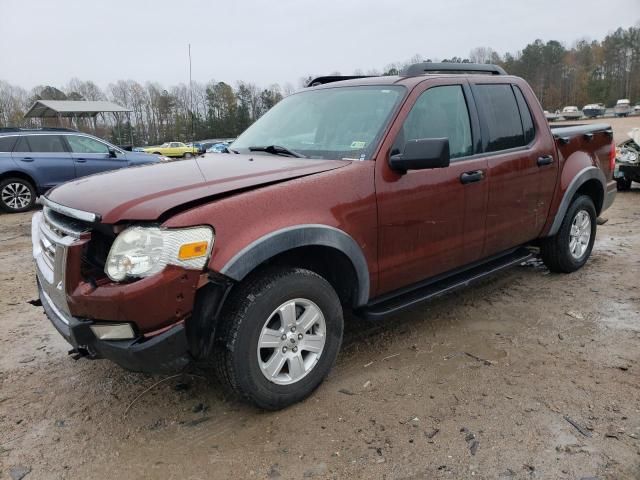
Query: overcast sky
267,41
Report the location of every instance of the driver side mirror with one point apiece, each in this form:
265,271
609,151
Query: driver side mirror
421,154
113,153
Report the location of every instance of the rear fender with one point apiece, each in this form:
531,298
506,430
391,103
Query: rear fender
582,177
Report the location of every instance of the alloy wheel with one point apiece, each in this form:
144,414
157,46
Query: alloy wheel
291,341
16,195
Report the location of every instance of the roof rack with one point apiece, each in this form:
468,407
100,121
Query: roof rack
430,67
37,129
334,78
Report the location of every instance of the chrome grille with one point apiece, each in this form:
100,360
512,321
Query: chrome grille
61,225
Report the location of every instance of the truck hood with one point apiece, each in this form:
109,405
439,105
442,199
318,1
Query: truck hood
146,192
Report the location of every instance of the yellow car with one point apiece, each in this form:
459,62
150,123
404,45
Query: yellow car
173,149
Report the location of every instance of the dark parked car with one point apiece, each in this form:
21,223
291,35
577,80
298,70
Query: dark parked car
34,161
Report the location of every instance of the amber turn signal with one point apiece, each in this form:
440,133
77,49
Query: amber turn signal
193,250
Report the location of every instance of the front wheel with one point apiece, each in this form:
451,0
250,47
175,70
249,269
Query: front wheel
280,336
188,155
16,195
570,248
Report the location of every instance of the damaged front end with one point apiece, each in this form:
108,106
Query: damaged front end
627,167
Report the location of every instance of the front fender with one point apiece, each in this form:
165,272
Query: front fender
289,238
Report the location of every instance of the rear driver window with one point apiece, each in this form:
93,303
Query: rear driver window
6,143
525,114
46,143
501,117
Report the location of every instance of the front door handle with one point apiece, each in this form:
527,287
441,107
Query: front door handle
545,160
26,159
470,177
81,160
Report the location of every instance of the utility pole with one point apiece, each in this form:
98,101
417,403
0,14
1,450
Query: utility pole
193,139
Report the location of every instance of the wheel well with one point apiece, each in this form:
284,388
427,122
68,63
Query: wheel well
592,188
21,175
328,262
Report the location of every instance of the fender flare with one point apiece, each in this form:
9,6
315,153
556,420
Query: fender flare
289,238
583,176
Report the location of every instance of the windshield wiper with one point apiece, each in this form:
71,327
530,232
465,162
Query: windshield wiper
276,150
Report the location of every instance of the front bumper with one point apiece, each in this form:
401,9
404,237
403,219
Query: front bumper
156,309
166,352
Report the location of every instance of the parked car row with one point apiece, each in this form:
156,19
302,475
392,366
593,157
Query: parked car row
593,110
32,161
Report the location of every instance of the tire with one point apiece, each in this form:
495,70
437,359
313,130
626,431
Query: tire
623,184
556,251
187,155
16,195
252,307
157,153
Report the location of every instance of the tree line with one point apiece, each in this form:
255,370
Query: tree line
587,72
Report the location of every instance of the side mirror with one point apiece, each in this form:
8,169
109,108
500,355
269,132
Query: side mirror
113,153
421,154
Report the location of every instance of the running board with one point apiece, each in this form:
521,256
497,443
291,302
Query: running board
394,303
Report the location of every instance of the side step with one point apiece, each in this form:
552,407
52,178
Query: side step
395,302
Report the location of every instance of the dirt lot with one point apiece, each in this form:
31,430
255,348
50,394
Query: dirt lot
530,375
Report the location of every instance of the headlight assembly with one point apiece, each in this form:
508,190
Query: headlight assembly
143,251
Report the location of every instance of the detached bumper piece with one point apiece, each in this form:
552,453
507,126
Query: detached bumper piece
162,353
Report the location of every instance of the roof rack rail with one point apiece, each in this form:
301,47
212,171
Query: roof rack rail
37,129
333,78
450,67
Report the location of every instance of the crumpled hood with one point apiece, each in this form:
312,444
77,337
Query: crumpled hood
146,192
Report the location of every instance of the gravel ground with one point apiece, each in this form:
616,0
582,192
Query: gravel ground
529,375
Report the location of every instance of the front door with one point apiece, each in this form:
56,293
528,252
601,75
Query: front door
92,156
431,221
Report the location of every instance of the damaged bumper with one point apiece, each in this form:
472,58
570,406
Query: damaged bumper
165,352
139,326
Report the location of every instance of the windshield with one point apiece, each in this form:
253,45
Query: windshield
165,145
332,123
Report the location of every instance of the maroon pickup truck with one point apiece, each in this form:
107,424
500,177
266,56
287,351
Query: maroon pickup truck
372,194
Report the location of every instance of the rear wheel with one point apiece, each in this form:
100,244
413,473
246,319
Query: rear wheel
188,155
16,195
281,335
570,248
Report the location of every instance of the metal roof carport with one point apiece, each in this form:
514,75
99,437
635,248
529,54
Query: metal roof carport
77,109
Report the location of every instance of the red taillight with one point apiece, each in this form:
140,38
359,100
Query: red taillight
612,157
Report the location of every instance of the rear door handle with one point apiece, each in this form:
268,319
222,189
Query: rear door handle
545,160
81,160
470,177
26,159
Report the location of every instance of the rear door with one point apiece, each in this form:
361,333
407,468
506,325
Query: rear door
521,166
6,146
45,158
92,156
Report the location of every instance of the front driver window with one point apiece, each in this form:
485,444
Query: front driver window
440,112
80,144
